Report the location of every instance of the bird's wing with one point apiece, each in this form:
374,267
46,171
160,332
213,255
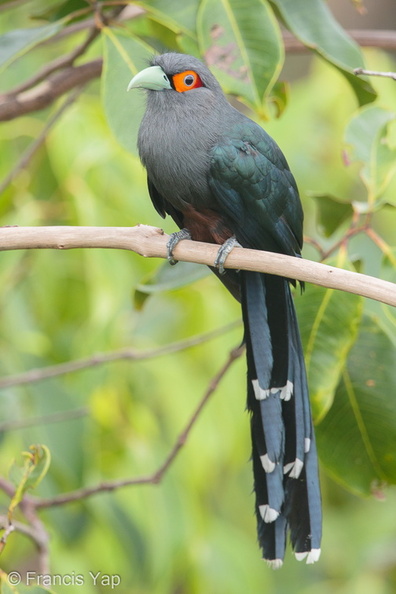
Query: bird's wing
253,186
162,206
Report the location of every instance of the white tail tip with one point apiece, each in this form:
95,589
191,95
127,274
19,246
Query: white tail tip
268,513
294,468
274,563
259,392
312,556
267,463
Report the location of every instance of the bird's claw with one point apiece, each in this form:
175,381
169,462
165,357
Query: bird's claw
173,240
223,252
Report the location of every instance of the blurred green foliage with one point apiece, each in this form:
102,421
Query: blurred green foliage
195,532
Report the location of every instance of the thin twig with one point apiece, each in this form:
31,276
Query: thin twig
39,534
151,242
316,245
383,246
35,503
58,417
46,92
18,526
358,71
352,231
130,354
57,64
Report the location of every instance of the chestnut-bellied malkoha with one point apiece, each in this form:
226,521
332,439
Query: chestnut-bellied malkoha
220,176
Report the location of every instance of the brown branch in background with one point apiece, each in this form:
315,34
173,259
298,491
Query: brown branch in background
30,505
33,96
46,92
62,62
14,105
130,354
151,242
156,476
381,39
37,534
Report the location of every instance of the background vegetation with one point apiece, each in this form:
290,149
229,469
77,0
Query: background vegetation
195,531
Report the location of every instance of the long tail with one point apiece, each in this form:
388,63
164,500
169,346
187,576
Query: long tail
285,465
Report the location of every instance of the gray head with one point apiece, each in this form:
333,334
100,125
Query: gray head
178,73
185,117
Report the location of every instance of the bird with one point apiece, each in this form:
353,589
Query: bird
224,180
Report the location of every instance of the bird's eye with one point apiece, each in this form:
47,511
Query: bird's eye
184,81
189,80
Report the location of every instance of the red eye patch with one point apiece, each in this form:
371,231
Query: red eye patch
184,81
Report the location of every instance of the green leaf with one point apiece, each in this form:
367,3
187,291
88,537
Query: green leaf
242,44
328,322
62,9
279,97
123,57
177,16
5,587
169,278
28,472
331,213
19,41
357,437
315,26
367,137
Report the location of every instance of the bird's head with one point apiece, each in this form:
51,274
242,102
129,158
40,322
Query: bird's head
177,73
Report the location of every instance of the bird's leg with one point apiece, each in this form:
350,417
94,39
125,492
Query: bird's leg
173,240
223,252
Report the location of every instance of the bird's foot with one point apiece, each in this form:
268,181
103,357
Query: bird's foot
174,239
223,252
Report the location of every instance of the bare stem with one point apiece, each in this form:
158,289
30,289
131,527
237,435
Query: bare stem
129,354
31,504
359,71
59,417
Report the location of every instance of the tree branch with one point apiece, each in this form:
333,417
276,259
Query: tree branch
13,106
30,504
382,39
61,62
150,242
46,92
58,417
130,354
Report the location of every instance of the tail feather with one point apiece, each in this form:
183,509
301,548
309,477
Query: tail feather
300,372
284,456
298,413
261,362
259,331
271,535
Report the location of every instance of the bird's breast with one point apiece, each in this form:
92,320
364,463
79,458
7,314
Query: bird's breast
175,149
